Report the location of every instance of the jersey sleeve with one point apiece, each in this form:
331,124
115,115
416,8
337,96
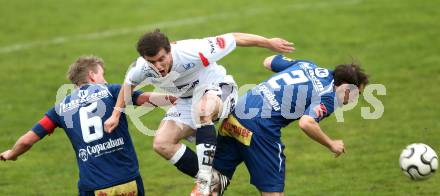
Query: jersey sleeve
208,50
320,109
116,88
47,124
135,96
140,71
280,63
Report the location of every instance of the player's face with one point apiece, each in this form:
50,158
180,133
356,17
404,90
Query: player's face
97,77
347,93
162,61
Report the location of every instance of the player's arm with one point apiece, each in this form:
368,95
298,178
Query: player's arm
133,78
267,63
146,99
44,127
274,44
112,122
155,99
120,102
313,130
277,63
23,144
212,49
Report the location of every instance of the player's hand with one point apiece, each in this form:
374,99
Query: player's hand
281,45
111,123
337,147
7,155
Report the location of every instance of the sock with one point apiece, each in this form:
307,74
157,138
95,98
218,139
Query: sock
206,141
186,161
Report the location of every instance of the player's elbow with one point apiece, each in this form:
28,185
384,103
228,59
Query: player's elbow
142,99
26,142
242,39
267,62
302,124
28,139
305,122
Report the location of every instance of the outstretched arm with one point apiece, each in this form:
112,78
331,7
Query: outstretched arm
23,144
313,130
155,99
274,44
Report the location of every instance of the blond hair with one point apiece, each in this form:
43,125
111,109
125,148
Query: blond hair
79,70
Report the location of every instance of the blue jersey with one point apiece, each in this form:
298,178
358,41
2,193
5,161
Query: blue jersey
298,88
103,159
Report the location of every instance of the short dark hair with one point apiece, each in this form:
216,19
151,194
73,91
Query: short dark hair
151,43
350,74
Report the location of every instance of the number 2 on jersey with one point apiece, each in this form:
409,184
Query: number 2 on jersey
299,77
87,123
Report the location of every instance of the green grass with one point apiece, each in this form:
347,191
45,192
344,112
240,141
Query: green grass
397,41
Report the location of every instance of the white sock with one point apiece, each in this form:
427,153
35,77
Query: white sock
205,156
179,153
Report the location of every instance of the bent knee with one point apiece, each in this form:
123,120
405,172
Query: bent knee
209,108
162,147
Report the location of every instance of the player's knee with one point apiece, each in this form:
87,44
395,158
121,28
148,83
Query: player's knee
206,109
209,108
161,147
206,119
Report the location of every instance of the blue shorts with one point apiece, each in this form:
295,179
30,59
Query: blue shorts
263,157
139,183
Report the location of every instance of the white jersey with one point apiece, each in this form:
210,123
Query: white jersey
194,62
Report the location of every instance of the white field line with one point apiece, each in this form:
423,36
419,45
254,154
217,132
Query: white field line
166,24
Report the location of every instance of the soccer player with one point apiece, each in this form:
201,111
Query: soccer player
107,162
300,90
188,69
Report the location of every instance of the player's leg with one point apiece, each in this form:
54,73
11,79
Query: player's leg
226,159
176,125
167,144
167,139
217,102
208,109
227,156
265,160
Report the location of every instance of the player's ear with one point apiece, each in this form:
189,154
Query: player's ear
91,76
346,95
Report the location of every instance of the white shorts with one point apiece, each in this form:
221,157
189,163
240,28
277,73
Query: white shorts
182,111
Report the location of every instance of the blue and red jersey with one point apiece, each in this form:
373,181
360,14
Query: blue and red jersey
103,159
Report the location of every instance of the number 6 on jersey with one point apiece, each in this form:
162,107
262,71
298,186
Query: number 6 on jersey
87,123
